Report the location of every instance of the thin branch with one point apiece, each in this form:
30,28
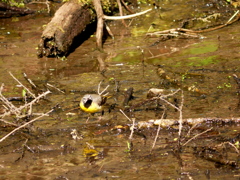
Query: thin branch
29,80
233,17
121,12
197,136
188,134
109,30
55,88
181,116
37,118
236,149
132,128
133,123
35,100
33,95
175,107
125,115
18,110
7,122
101,93
175,92
9,105
194,32
127,8
127,16
158,130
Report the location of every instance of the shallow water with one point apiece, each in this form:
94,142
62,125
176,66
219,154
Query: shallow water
47,149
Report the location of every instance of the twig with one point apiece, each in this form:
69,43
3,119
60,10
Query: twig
125,115
18,110
29,80
37,118
168,95
233,16
132,128
100,93
127,7
197,136
55,88
175,107
109,30
194,32
127,16
7,103
180,116
35,100
7,122
158,130
121,12
236,149
33,95
156,98
188,134
133,124
175,32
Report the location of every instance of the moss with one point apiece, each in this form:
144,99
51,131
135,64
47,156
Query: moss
17,3
107,5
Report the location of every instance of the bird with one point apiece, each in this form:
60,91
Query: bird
92,103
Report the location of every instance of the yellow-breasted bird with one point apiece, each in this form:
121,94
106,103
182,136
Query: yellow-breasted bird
92,103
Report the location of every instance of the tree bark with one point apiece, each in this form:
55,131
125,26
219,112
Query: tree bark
99,33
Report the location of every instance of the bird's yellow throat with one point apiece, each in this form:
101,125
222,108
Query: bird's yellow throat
92,103
93,108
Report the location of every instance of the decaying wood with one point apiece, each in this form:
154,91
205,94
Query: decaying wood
68,22
189,121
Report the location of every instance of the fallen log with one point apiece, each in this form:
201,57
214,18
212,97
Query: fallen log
68,22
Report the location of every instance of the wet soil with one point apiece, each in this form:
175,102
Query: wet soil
65,146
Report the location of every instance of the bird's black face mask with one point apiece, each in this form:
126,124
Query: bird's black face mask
88,103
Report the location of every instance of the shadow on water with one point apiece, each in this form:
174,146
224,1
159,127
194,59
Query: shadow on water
81,38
